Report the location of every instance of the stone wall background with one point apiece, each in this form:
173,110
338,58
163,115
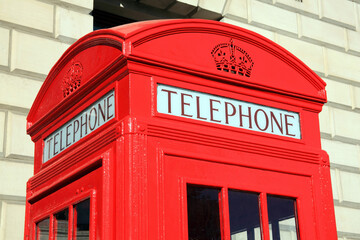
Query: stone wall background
33,35
325,34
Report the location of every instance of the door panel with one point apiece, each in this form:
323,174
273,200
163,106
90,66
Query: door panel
71,212
234,183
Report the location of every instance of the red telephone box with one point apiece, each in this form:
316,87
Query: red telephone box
179,129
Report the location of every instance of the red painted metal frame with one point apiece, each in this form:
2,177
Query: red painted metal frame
137,165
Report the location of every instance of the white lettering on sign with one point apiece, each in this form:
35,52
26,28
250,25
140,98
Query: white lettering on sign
225,111
81,125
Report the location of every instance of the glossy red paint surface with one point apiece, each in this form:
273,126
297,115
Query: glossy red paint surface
135,167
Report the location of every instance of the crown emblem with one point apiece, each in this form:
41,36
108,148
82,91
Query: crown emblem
72,78
233,59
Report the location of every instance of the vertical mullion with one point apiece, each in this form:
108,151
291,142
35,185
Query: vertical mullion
184,192
224,214
37,232
264,217
51,227
70,224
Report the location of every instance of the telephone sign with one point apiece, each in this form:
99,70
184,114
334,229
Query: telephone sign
229,112
80,126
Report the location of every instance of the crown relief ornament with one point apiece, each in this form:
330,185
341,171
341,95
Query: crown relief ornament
72,78
233,59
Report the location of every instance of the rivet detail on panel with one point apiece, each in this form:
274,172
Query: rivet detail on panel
232,59
72,78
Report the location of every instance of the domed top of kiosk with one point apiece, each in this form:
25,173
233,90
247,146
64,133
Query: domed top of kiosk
209,49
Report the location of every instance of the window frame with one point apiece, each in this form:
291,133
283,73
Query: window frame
224,211
70,203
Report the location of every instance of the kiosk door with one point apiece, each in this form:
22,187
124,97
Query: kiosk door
70,212
222,201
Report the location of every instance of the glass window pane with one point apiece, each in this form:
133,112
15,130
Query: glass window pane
282,218
203,213
61,225
82,228
42,229
244,215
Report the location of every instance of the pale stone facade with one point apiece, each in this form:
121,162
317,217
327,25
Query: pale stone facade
33,35
325,34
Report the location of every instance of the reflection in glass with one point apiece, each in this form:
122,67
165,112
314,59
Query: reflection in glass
244,215
282,218
82,215
61,225
203,213
42,229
